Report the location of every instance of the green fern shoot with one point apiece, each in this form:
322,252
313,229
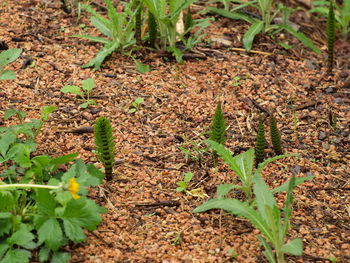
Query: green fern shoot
260,143
218,129
104,143
152,30
330,37
138,22
275,135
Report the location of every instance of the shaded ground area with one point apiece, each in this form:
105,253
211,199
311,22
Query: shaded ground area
147,220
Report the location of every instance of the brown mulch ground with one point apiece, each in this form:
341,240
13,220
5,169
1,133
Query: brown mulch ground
147,220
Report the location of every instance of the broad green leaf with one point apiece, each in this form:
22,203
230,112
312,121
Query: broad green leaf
8,201
182,186
21,237
92,38
21,154
302,38
232,15
245,162
6,140
46,203
96,62
83,212
60,257
8,56
3,248
16,256
293,247
88,84
72,89
263,197
50,232
12,112
298,180
224,189
249,36
73,231
46,111
268,251
44,254
239,208
7,75
188,177
64,159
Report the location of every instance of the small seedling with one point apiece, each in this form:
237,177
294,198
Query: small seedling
135,105
183,185
83,93
236,81
7,57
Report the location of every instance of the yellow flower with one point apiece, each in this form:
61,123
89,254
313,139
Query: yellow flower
73,188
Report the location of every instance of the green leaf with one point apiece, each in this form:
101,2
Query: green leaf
224,189
45,202
188,177
132,110
92,38
263,197
3,249
302,38
7,75
298,180
268,251
88,84
142,68
12,112
50,232
103,25
65,159
232,15
239,208
245,162
21,237
96,62
44,254
6,140
249,36
16,256
8,56
72,89
73,231
60,257
46,111
293,247
21,154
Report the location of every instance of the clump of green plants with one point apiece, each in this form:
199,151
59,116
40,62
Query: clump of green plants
330,37
260,143
42,208
275,135
84,92
118,30
264,23
6,57
218,129
341,14
105,147
183,185
272,222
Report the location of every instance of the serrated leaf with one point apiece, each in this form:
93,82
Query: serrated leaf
73,231
21,237
293,247
16,256
60,257
46,111
6,140
45,202
249,36
51,234
44,254
8,56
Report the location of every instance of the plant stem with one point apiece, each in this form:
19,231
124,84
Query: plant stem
9,186
280,256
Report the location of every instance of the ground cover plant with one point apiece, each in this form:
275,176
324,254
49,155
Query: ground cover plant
7,57
164,140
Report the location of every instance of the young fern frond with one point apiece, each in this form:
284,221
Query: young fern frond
138,22
152,30
260,143
275,135
104,143
218,129
330,38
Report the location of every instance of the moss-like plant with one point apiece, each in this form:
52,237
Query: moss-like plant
275,135
104,143
260,143
218,129
330,38
152,30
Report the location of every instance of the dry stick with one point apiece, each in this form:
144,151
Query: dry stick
261,108
251,51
